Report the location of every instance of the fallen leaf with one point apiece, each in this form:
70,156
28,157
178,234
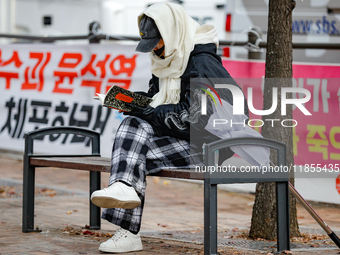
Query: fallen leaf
86,232
47,192
11,192
156,179
162,225
164,245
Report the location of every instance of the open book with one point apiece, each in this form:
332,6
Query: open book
122,99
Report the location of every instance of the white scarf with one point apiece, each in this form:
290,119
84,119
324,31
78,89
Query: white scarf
180,33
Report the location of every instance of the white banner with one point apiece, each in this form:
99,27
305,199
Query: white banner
53,85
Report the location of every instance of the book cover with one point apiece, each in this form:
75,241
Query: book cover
121,99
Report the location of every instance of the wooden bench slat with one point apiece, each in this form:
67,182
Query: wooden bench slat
103,164
99,164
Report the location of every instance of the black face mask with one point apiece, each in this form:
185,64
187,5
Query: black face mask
159,52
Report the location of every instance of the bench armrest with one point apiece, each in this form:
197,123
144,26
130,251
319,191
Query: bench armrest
29,173
210,148
30,136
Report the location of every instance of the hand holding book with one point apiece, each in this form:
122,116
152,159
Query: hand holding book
140,112
122,99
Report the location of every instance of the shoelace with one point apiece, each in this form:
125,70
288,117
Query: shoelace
119,234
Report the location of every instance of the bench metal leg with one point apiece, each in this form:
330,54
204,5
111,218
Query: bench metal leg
210,218
28,199
94,210
282,205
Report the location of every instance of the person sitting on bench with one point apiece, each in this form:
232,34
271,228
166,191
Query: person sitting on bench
158,136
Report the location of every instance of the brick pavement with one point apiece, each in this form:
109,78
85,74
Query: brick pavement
170,205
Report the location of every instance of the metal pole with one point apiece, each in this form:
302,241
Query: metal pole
254,38
94,31
282,205
95,177
11,18
316,217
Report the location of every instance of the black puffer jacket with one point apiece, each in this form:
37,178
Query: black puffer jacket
172,119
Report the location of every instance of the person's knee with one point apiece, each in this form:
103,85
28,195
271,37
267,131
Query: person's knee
127,120
137,123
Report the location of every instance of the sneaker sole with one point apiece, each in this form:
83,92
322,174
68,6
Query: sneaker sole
109,202
121,250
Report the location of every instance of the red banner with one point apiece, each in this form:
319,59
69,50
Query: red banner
316,137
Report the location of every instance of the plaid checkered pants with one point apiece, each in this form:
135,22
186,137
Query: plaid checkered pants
137,152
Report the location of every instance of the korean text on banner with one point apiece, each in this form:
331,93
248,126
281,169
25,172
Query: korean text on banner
316,138
53,85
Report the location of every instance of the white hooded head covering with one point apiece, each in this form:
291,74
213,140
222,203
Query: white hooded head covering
180,33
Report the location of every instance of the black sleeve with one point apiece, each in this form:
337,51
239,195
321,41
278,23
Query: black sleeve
153,88
173,119
176,120
142,93
184,119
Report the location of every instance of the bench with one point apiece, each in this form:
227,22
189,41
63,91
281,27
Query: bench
96,164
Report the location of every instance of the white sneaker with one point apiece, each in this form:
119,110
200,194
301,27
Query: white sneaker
118,195
122,241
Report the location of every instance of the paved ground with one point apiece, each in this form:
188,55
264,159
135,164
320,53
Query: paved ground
173,211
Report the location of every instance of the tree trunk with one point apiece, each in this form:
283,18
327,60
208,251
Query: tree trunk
278,65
